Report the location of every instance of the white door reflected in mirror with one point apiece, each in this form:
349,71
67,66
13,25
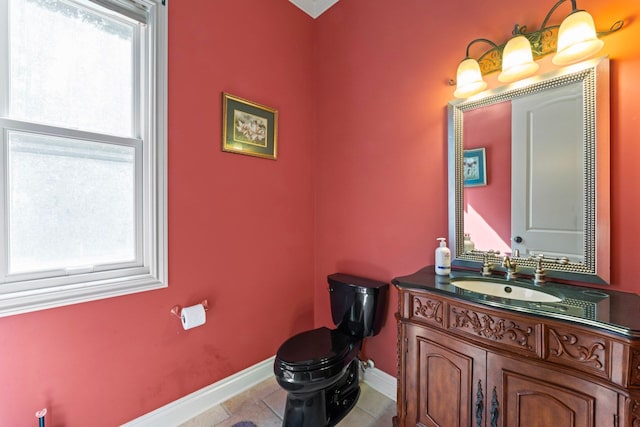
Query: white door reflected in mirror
547,209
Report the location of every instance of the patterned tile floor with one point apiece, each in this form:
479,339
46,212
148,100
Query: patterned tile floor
264,406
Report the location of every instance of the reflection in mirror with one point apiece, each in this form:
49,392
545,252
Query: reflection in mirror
547,162
547,186
487,209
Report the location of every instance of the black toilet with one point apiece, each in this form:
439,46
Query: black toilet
319,368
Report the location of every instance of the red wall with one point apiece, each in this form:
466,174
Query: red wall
240,234
383,70
359,186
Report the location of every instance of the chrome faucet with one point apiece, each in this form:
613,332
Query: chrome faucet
510,265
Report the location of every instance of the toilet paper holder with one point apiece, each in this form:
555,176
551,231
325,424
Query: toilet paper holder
177,310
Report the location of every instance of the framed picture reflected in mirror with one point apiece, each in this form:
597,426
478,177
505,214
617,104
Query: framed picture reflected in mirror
474,167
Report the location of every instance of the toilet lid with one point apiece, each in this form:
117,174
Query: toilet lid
320,346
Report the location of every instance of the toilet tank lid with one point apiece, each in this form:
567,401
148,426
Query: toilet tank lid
365,285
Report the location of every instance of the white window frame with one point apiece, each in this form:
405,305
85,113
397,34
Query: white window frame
33,292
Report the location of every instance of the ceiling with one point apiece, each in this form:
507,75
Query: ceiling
314,8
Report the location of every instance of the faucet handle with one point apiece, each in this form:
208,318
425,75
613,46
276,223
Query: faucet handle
486,266
539,273
508,262
511,267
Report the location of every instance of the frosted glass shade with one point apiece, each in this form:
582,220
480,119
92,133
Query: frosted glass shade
469,79
577,39
517,60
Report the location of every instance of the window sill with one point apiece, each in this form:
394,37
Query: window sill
59,296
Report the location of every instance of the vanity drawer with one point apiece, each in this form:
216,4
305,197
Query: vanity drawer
516,333
424,308
578,349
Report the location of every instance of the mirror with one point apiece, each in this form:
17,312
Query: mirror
529,174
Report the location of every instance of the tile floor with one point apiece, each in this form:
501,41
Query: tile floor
264,406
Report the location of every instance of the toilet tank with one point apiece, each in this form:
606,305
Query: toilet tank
357,304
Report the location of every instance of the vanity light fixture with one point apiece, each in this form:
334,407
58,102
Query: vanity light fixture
517,60
577,38
469,76
573,41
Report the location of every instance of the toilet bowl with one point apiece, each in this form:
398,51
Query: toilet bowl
319,369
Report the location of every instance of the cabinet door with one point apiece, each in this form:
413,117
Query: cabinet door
526,395
446,389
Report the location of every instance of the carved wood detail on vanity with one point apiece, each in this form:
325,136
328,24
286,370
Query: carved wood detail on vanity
582,351
494,328
635,413
427,309
635,367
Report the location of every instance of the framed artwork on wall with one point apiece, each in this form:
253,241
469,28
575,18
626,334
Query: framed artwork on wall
249,128
474,167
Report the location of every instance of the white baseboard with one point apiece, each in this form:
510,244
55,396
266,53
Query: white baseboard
381,382
185,408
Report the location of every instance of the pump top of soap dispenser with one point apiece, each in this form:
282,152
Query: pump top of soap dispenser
443,242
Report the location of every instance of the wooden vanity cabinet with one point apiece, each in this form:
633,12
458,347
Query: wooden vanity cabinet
446,377
466,364
532,395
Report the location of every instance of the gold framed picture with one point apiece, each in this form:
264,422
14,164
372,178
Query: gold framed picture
249,128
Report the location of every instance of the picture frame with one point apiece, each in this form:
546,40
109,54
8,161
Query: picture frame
249,128
474,167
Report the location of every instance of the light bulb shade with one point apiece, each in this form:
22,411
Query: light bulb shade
577,39
517,60
469,79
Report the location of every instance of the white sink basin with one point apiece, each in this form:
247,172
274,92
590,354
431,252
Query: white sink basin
504,290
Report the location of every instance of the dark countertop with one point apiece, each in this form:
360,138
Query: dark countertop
614,311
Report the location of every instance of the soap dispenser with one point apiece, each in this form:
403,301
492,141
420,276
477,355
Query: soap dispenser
443,258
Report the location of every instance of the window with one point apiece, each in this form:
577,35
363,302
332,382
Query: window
83,151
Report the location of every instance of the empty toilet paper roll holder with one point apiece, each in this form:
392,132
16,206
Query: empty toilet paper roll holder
177,310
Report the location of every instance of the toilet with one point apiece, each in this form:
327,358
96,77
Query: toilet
319,368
